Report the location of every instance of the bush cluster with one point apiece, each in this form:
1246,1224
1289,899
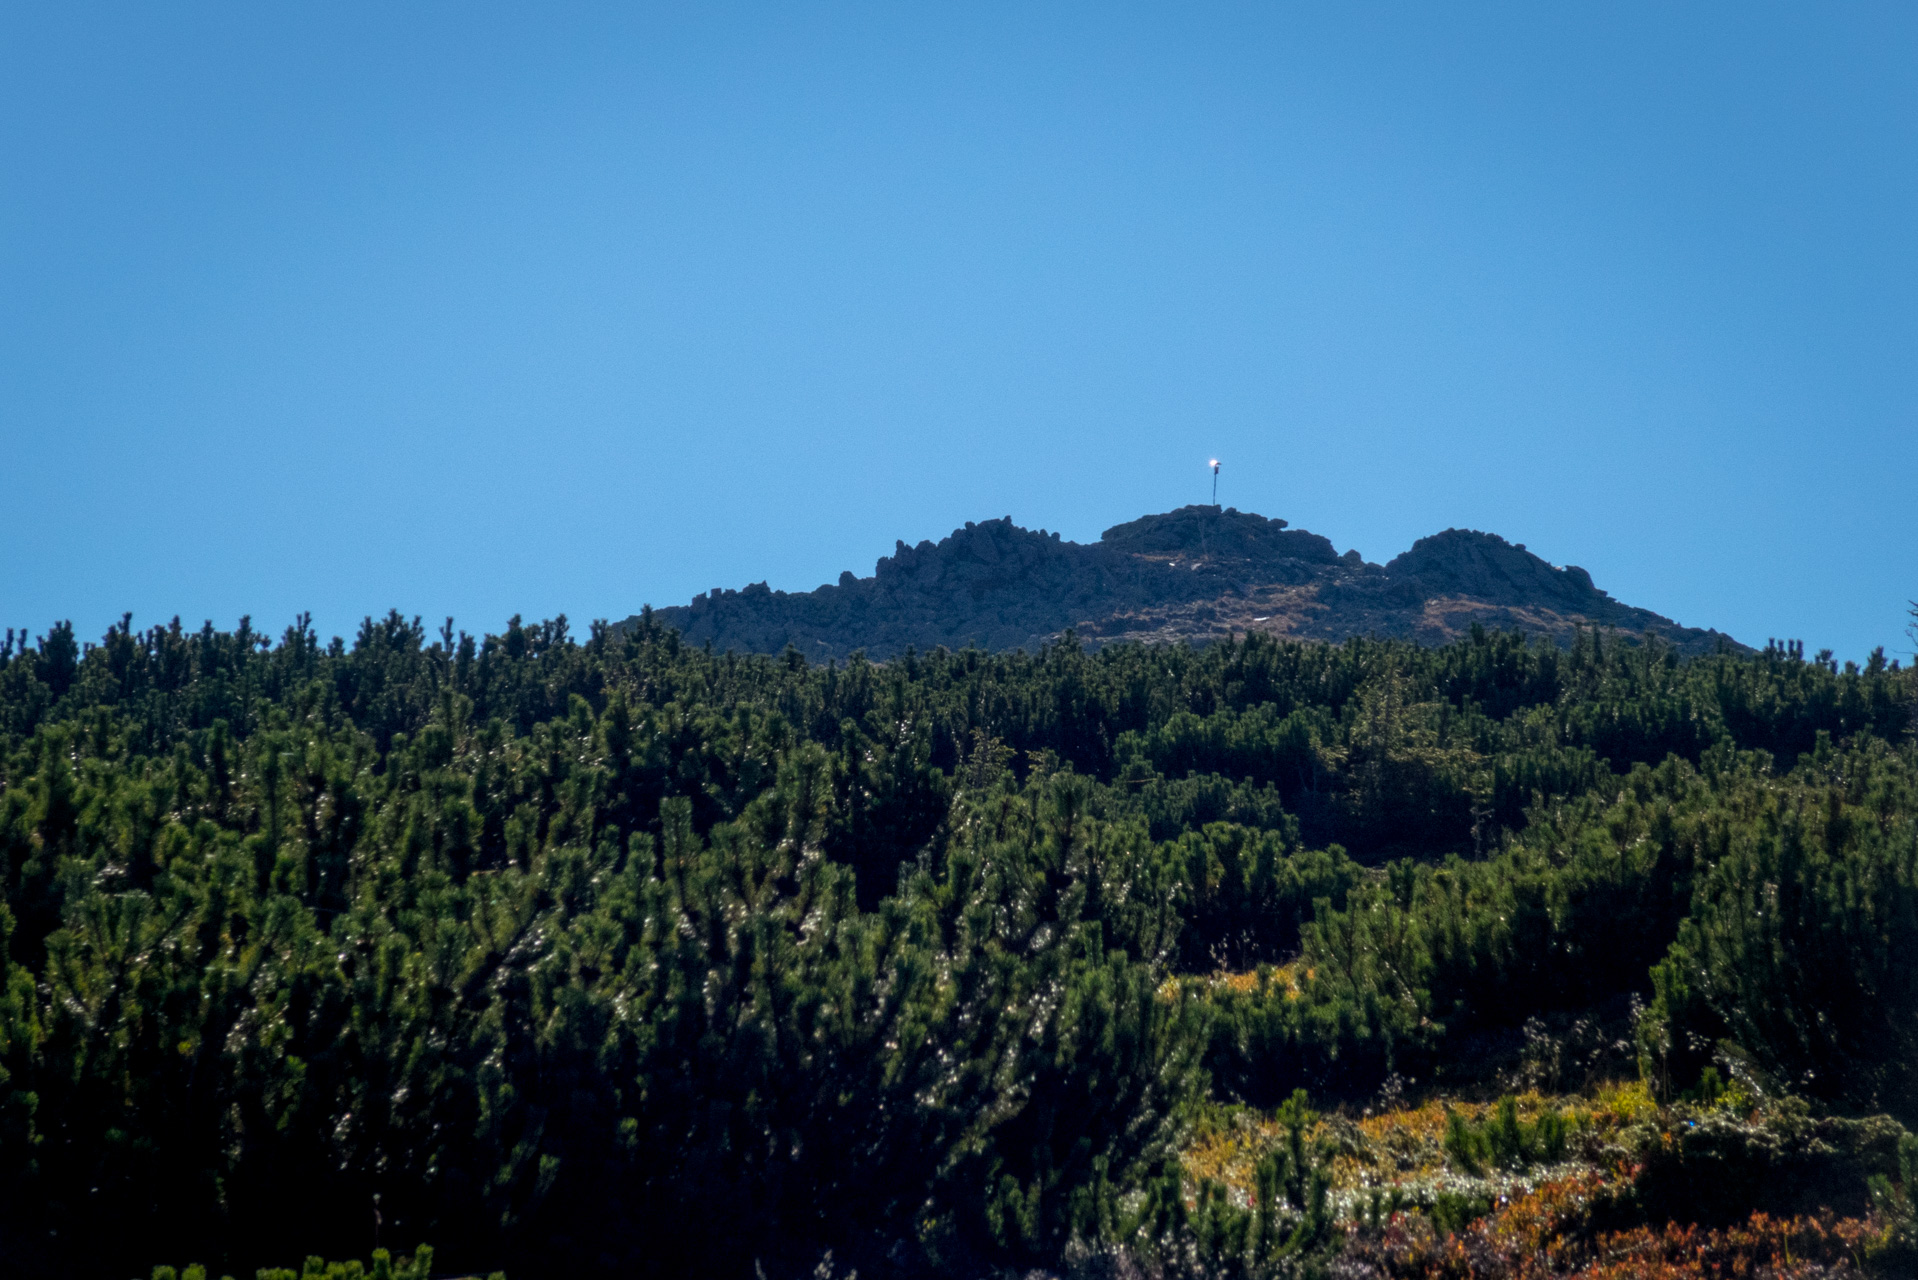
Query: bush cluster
617,956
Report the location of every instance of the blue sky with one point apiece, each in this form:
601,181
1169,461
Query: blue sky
481,309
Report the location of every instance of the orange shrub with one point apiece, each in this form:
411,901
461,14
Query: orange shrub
1541,1236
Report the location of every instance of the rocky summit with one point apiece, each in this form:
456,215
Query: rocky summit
1195,574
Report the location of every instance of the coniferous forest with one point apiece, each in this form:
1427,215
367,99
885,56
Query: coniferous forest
610,955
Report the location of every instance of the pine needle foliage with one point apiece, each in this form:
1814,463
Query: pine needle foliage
610,955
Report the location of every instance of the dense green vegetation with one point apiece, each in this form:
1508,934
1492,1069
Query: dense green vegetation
618,956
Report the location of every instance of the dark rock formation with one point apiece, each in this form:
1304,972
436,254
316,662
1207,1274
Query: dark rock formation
1192,574
1484,566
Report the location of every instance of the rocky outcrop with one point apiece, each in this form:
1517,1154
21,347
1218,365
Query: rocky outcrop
1484,566
1197,573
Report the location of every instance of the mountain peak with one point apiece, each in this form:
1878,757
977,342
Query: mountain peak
1193,574
1219,532
1485,566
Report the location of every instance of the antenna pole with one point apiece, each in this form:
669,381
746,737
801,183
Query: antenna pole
1215,482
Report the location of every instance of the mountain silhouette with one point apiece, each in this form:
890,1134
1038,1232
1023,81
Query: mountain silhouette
1195,574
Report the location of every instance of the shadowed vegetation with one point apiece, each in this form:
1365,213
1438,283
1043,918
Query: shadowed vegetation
615,956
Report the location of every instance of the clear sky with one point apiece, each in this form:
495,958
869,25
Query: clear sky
484,309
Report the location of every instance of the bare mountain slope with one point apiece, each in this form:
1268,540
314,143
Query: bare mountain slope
1192,574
